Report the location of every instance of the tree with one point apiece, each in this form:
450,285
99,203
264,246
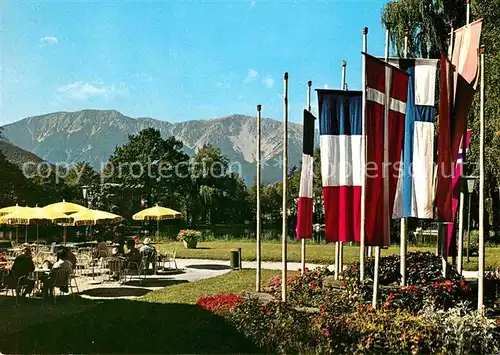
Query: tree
218,195
148,169
428,23
80,175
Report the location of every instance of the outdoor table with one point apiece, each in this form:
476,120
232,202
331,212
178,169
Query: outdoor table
37,273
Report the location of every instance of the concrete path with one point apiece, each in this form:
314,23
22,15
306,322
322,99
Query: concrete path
268,265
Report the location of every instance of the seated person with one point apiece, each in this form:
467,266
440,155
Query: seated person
137,241
116,263
148,252
71,257
133,255
62,263
102,250
22,267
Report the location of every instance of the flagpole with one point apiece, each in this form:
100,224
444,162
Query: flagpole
259,244
303,241
460,235
285,172
341,244
404,220
467,19
480,276
363,194
387,216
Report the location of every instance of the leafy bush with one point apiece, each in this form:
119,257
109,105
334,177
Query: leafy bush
464,332
281,328
219,302
188,235
426,285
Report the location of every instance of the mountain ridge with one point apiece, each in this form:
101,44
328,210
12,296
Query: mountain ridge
92,135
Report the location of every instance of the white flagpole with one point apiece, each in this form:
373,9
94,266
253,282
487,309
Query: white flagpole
285,172
460,235
303,241
387,216
467,19
404,221
259,244
480,276
363,119
341,244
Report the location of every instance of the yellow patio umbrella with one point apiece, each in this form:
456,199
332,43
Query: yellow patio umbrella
37,215
93,217
66,208
156,213
8,210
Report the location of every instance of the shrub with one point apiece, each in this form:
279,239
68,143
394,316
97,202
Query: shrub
188,235
275,326
426,285
219,302
280,328
464,332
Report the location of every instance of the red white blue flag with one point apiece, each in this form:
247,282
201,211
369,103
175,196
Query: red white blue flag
341,144
305,205
386,90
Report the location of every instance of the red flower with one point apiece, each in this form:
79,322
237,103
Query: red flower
216,302
313,285
343,284
326,333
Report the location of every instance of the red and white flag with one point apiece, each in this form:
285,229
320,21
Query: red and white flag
386,90
305,206
457,89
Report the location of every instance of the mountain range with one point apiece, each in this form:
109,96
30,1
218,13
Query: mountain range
93,135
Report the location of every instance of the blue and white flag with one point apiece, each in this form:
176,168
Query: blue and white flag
415,191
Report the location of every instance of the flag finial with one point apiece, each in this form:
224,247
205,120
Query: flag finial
309,83
365,30
259,107
285,76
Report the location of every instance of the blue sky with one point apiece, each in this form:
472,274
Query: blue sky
178,60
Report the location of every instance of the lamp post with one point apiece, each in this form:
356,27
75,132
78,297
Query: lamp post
85,192
471,181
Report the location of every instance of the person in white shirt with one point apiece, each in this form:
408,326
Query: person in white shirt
61,264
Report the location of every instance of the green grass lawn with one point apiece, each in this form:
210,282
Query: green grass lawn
163,322
316,253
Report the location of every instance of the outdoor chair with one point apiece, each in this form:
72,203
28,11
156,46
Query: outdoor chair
116,265
62,279
149,258
16,287
132,268
169,257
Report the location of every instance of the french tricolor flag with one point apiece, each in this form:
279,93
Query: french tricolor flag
341,144
414,195
305,205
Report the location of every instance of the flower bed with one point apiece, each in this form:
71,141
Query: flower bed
430,315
